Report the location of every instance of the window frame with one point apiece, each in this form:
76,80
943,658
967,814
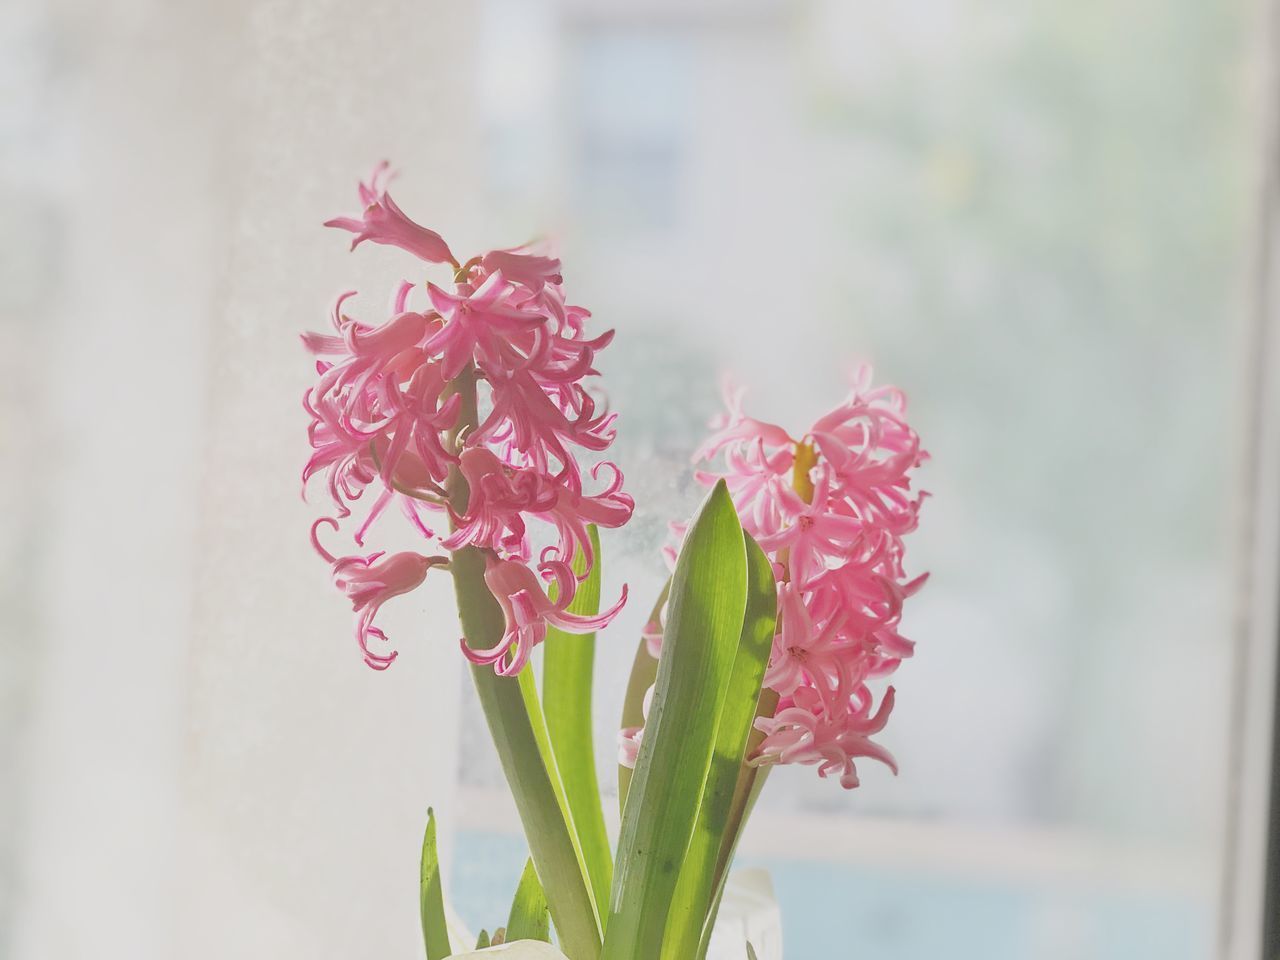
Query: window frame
1271,894
1250,908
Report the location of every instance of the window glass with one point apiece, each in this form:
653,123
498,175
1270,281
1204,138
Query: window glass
1035,219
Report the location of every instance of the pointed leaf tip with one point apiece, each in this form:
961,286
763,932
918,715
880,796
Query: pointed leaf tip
435,932
529,918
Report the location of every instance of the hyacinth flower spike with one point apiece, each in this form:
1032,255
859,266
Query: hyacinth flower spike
830,509
387,414
395,418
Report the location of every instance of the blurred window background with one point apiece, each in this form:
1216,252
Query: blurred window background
1038,219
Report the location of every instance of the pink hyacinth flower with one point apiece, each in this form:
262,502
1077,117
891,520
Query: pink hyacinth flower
630,738
805,653
735,427
528,612
378,409
651,634
480,323
384,222
502,495
527,420
369,582
497,501
525,266
801,732
816,536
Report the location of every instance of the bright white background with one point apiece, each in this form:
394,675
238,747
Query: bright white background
1038,219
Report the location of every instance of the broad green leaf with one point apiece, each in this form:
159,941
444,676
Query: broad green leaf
482,941
751,952
435,931
644,671
704,622
533,785
529,919
566,700
696,887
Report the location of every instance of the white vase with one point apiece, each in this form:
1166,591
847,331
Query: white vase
748,914
517,950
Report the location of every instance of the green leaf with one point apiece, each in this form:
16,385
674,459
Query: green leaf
538,724
533,783
529,917
751,781
566,700
644,671
704,623
751,952
695,890
482,941
435,932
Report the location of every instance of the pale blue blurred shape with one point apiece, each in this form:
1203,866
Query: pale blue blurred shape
888,914
482,881
632,117
900,915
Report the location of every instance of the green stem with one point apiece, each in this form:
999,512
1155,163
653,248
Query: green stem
550,837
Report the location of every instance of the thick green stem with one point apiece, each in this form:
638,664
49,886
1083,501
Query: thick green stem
550,837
